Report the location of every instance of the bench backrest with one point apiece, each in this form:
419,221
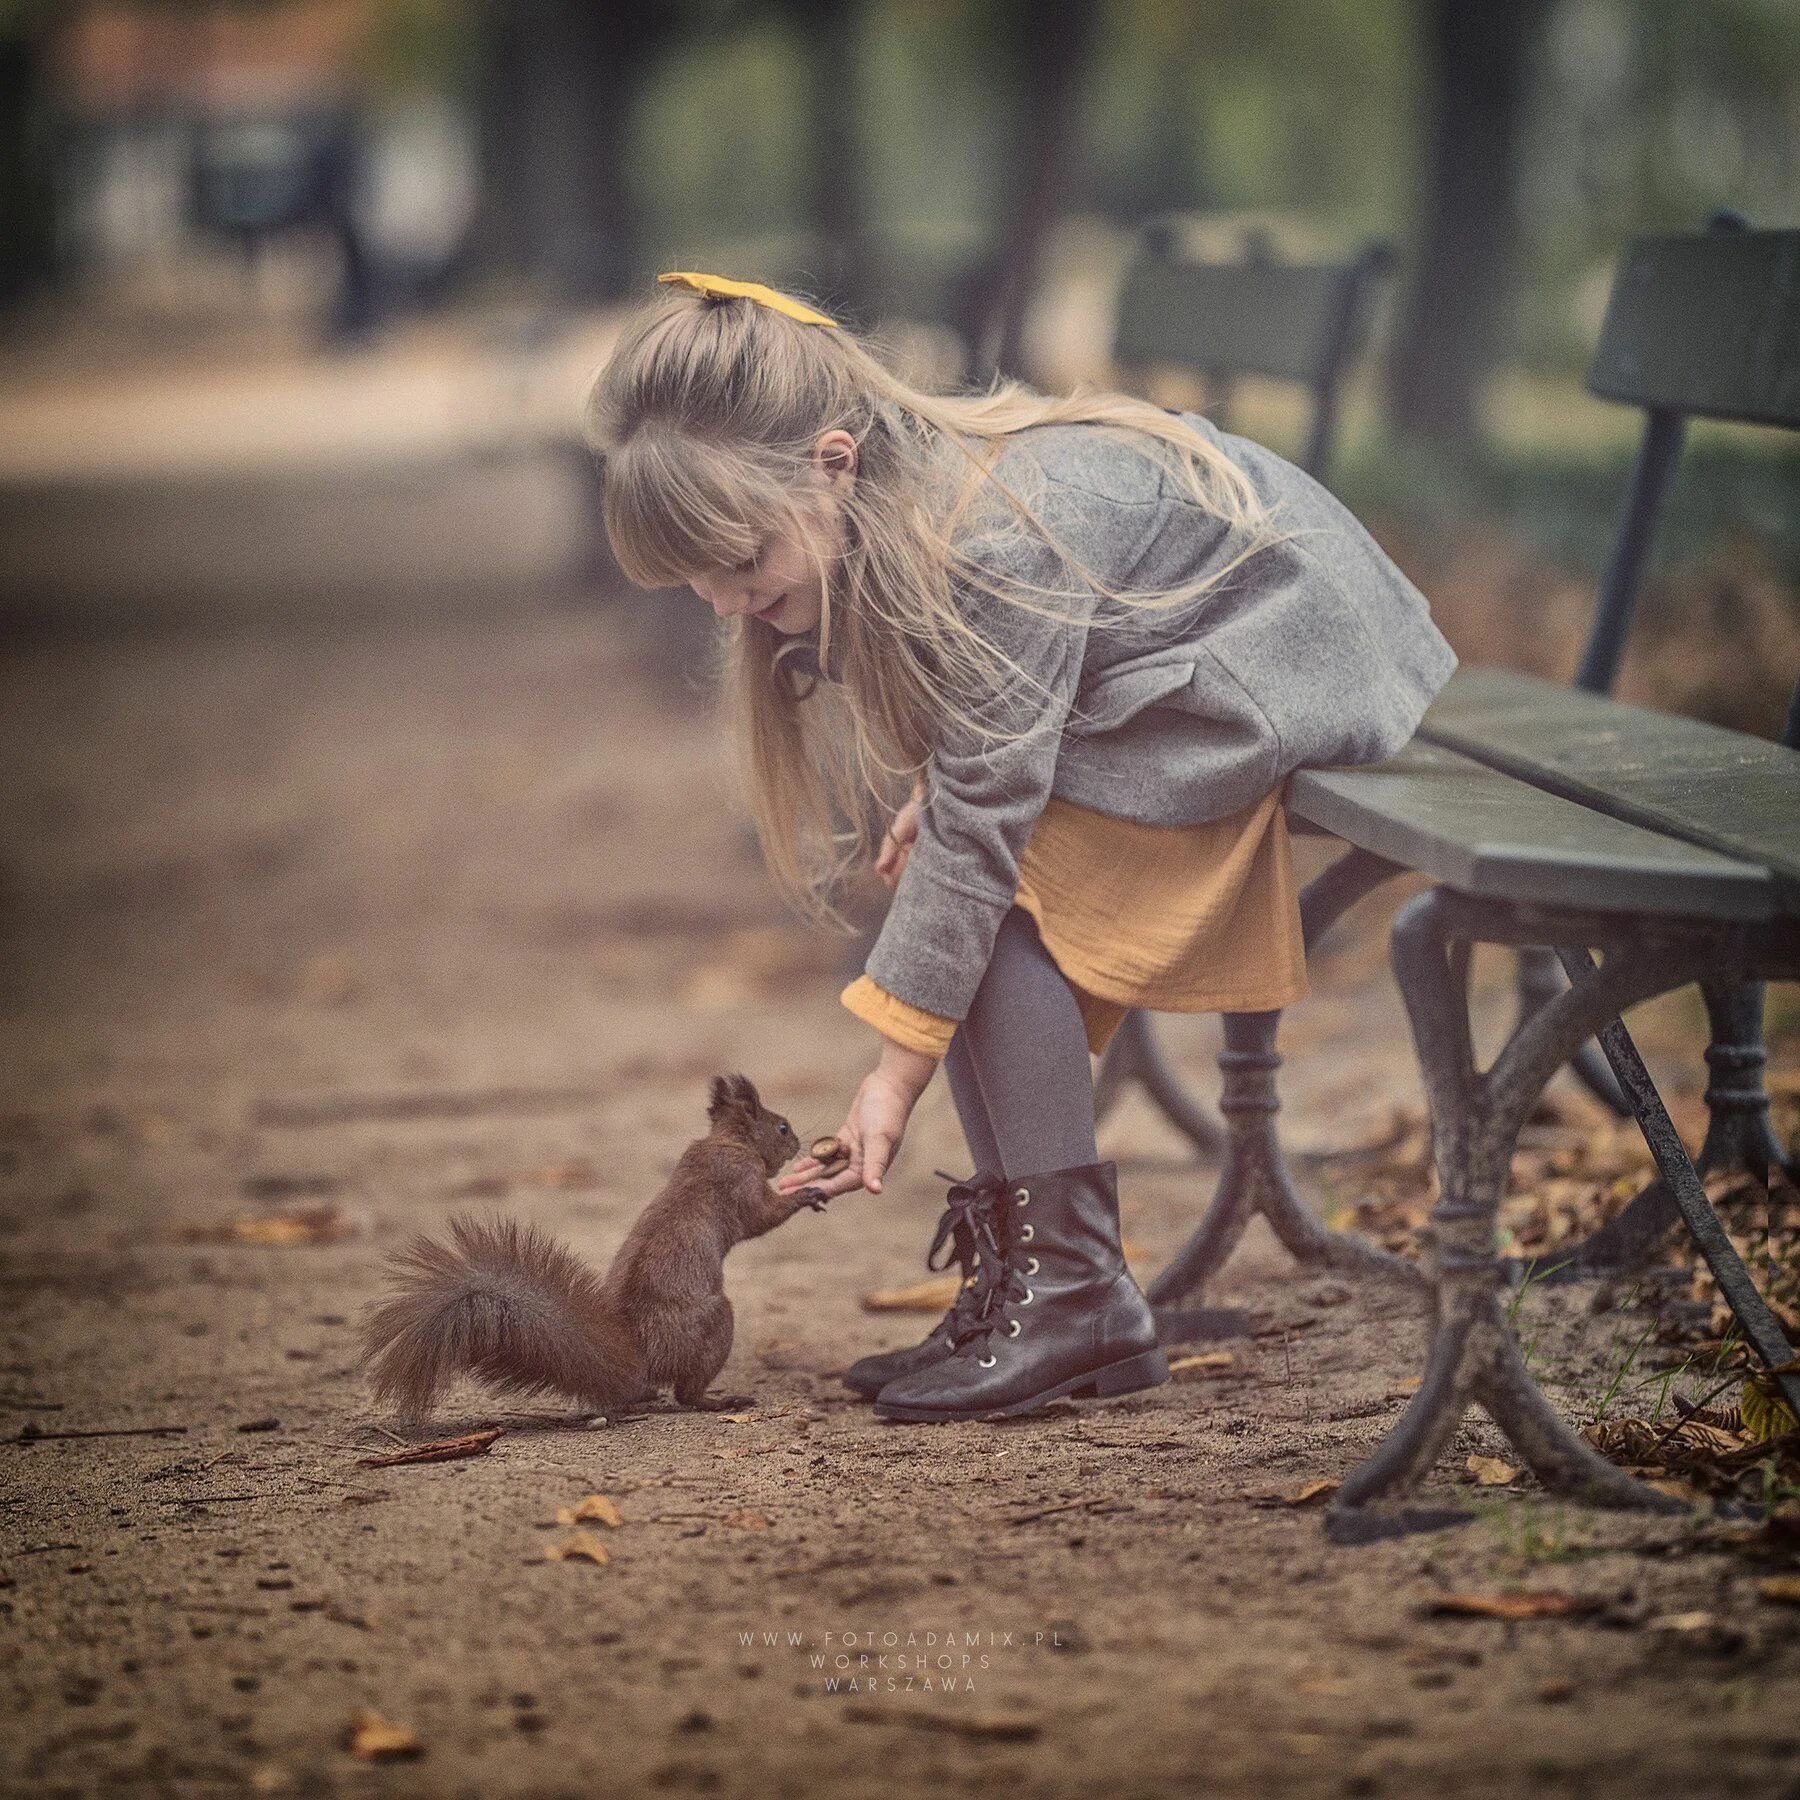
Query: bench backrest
1700,325
1298,322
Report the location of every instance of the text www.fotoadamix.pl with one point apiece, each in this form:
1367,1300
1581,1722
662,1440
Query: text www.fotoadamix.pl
939,1661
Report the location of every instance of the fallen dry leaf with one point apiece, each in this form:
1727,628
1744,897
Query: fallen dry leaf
596,1507
746,1519
927,1297
378,1739
1490,1471
477,1443
1205,1362
1308,1492
1540,1605
1765,1411
579,1546
1783,1588
291,1225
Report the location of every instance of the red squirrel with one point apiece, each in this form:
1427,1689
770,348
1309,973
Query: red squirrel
508,1304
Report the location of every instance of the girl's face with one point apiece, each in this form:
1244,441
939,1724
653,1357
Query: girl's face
783,585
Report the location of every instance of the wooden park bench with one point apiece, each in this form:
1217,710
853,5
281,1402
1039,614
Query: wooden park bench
1548,816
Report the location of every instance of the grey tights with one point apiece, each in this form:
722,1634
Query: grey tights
1018,1064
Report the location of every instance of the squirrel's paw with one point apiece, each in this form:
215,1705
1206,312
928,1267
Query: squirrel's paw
814,1197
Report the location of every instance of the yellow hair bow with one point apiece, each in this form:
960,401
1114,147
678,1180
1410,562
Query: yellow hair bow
722,286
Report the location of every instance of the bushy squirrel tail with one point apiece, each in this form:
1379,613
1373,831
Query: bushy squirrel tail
502,1302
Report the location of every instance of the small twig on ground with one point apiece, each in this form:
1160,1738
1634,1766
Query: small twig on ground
476,1443
30,1434
1091,1504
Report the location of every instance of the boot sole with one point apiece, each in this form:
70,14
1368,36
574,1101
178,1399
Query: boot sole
1148,1369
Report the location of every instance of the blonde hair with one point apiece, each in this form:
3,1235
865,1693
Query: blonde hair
706,414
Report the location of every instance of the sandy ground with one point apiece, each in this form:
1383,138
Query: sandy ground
493,871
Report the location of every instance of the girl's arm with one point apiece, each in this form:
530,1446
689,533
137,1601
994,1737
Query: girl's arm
985,792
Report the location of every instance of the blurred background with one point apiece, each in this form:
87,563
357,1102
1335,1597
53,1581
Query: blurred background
298,298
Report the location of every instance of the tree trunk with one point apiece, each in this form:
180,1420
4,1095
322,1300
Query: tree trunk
560,78
827,37
1051,40
26,233
1454,318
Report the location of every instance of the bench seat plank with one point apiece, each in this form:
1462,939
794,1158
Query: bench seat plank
1485,833
1736,794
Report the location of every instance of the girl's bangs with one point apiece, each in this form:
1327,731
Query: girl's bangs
675,508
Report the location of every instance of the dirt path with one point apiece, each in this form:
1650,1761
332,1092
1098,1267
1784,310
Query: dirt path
495,871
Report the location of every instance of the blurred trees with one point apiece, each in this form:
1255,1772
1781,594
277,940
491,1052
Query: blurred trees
912,155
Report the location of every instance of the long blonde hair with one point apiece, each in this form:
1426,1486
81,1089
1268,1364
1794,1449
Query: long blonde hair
706,414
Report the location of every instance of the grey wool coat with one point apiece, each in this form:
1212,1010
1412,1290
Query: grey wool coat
1315,651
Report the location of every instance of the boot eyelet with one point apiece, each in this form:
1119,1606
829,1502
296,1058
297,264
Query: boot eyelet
987,1362
1031,1265
1022,1197
1026,1234
1014,1327
1028,1298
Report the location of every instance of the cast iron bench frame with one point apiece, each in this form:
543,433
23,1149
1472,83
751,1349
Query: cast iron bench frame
1575,857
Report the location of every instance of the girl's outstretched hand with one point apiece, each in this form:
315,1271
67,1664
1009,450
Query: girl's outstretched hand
873,1129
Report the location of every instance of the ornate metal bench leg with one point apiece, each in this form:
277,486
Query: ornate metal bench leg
1134,1055
1255,1178
1738,1133
1475,1123
1172,1101
1739,1137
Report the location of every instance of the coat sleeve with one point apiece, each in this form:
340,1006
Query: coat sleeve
983,792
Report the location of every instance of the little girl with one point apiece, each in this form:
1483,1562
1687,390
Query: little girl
1070,649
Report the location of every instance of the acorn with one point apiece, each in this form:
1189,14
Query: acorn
828,1150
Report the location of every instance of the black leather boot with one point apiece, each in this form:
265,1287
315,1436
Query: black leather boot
1061,1317
967,1231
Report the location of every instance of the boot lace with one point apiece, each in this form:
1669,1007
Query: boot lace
1008,1271
967,1232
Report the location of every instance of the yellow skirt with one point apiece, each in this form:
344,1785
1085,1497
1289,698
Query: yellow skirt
1181,918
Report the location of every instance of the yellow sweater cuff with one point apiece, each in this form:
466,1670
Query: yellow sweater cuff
893,1018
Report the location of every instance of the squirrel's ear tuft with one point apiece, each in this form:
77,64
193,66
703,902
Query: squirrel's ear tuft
733,1094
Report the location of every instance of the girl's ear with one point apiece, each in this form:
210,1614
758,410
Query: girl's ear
834,455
